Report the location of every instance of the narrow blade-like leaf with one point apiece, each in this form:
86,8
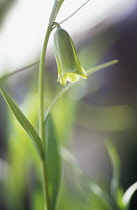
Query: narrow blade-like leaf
113,155
101,194
53,162
24,122
6,76
128,194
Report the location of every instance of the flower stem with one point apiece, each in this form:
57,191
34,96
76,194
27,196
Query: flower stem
47,205
41,85
55,10
41,117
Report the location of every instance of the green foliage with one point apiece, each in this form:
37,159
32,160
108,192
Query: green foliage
24,169
116,171
75,193
24,122
128,194
65,185
104,197
117,200
53,162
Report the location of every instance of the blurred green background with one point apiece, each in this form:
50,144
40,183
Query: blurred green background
103,107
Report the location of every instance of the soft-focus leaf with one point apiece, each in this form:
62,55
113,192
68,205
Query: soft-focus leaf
21,155
129,193
53,162
75,190
120,203
8,75
60,3
23,122
116,170
101,194
4,8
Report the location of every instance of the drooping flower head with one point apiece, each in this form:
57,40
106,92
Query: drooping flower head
69,67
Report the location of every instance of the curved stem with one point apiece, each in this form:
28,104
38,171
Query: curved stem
41,116
63,21
55,10
55,24
41,85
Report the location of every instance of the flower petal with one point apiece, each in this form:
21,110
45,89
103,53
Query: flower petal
69,67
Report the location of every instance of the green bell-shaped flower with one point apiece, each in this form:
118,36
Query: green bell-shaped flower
69,67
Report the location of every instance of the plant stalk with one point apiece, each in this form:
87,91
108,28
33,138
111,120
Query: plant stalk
54,13
41,117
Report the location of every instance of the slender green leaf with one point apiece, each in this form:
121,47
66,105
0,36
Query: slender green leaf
116,170
78,175
53,162
101,66
101,194
69,158
23,122
60,4
77,182
128,194
6,76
